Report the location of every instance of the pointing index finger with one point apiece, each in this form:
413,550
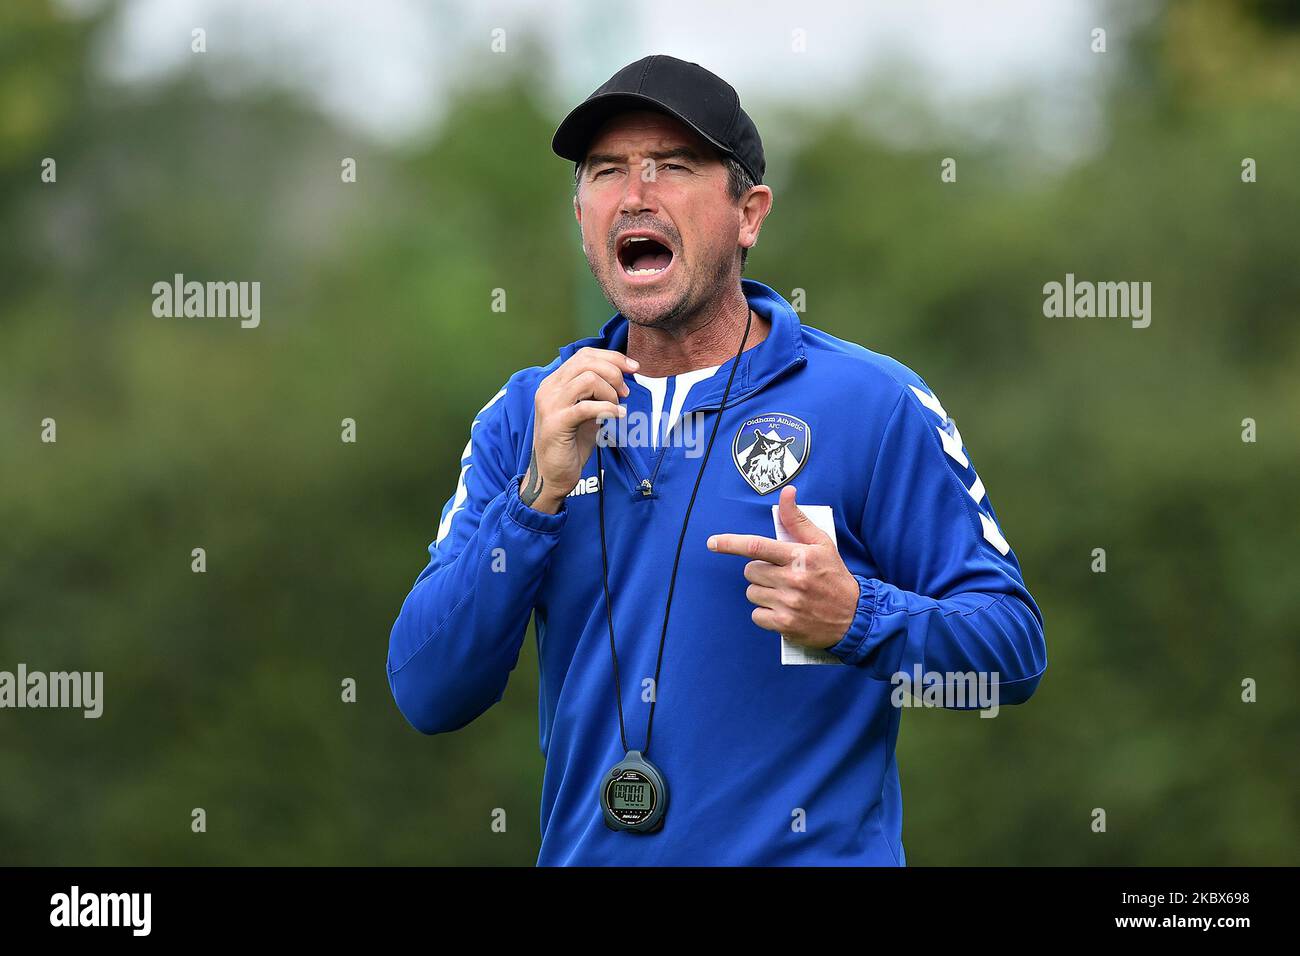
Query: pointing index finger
753,546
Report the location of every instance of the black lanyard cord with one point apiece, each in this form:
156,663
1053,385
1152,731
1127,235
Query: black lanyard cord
672,581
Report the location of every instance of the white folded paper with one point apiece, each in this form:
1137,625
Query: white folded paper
823,517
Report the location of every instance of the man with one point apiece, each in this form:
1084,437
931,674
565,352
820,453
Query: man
677,726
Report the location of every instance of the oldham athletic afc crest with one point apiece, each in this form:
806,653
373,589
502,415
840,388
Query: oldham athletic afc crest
770,449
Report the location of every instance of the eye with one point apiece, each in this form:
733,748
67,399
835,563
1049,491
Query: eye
673,166
607,169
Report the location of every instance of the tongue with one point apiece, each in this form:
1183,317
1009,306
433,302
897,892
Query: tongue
652,260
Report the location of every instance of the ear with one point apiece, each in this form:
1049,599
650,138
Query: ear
577,209
753,210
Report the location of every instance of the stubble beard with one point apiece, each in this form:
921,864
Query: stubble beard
677,317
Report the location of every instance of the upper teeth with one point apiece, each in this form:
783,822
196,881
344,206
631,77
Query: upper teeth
638,272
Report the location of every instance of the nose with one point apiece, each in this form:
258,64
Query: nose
639,194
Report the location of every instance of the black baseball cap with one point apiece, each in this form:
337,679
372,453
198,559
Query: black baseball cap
702,100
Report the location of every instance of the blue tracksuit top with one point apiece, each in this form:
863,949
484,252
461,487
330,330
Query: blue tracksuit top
766,763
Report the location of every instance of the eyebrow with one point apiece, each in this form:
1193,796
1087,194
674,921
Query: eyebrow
677,152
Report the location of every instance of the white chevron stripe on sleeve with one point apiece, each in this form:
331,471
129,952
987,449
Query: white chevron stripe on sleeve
992,535
952,445
930,401
457,505
458,502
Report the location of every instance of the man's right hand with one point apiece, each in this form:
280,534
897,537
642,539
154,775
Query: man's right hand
570,404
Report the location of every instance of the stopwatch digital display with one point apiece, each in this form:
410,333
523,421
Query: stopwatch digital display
633,795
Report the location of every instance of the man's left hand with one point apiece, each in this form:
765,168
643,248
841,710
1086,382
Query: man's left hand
801,588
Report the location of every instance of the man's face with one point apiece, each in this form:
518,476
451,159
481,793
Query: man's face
658,227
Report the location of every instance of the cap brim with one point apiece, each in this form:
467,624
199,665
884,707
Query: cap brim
584,121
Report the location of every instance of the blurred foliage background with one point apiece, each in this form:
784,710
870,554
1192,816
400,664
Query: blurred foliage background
223,689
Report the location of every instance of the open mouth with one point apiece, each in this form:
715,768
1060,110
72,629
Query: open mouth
643,256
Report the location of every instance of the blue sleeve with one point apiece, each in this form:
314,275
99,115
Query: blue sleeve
458,635
950,597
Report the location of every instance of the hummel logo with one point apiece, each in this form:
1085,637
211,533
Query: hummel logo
586,486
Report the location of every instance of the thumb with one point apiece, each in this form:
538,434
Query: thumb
798,524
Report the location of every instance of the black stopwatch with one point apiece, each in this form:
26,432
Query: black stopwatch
634,795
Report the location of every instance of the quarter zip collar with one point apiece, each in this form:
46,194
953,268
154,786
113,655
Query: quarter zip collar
782,349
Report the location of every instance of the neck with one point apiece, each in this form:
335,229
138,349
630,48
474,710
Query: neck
709,338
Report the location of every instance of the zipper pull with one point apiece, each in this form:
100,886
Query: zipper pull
646,487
